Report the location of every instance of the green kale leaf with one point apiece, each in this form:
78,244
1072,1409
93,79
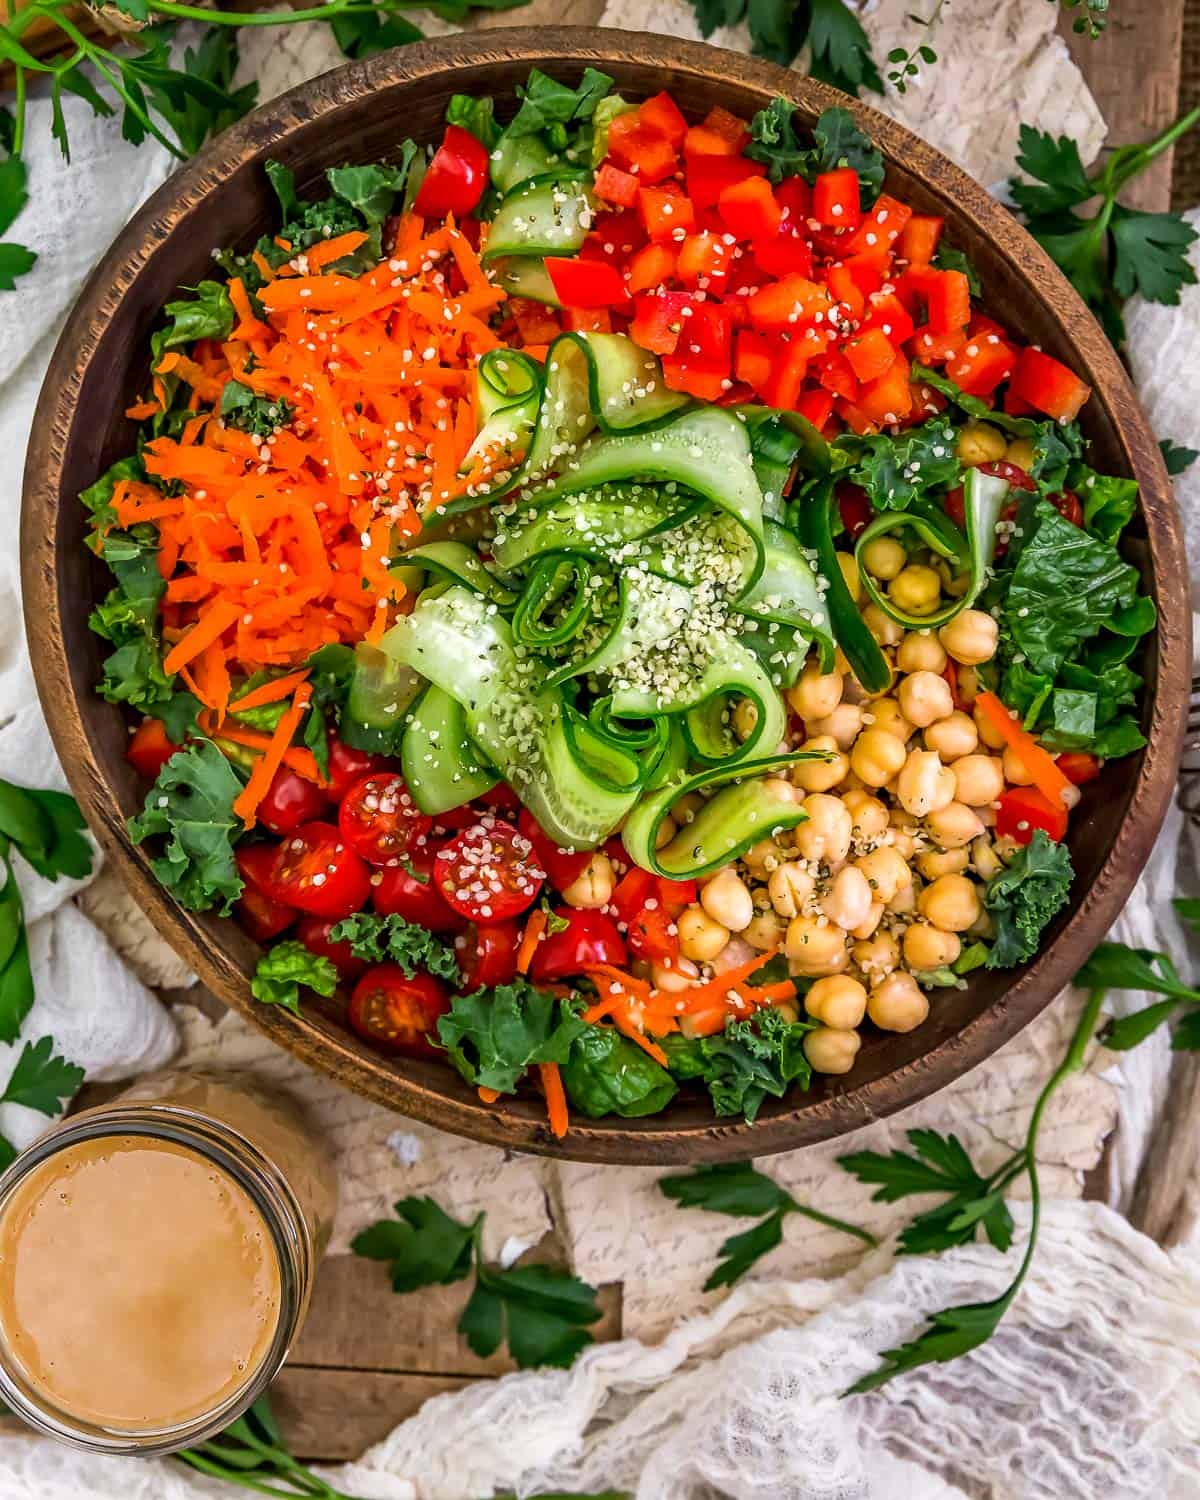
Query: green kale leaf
895,471
414,948
493,1036
744,1064
1024,897
249,412
191,807
284,968
837,142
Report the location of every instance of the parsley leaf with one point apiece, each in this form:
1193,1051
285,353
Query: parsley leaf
15,260
493,1036
414,948
1024,897
1114,966
41,1080
191,806
284,968
1060,179
424,1245
1150,255
199,100
837,142
1176,457
841,50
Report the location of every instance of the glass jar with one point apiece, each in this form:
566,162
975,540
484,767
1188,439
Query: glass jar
157,1258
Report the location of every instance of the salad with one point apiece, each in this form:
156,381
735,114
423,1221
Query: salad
600,600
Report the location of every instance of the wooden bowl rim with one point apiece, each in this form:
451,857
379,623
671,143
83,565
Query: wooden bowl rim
517,1124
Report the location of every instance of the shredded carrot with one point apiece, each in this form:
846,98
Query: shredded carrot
210,628
556,1098
270,692
327,251
246,803
140,410
488,1096
297,759
716,991
1048,779
530,938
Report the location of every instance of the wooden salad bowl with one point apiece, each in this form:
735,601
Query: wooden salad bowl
360,113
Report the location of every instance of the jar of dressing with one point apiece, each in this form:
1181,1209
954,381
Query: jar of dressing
157,1257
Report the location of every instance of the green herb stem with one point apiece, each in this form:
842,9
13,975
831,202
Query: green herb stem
830,1222
1138,160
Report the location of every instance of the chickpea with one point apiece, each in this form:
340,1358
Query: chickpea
927,947
868,816
887,632
924,697
867,928
821,775
817,693
825,837
916,590
726,898
789,887
920,651
815,946
978,779
984,858
953,736
745,718
904,902
764,932
763,858
781,790
935,862
849,899
924,785
887,714
1014,769
877,756
733,955
887,872
884,558
951,903
969,685
785,1008
700,937
954,826
970,637
686,808
593,886
1020,452
667,830
838,1002
877,956
675,977
831,1051
904,843
850,573
842,726
986,730
897,1004
981,443
954,584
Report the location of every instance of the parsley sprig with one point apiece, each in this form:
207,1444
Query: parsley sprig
1107,251
543,1313
251,1453
840,50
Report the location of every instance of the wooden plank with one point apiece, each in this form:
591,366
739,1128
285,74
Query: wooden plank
333,1415
1133,70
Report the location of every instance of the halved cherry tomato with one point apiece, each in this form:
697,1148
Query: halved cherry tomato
456,177
1079,767
652,935
149,749
588,938
562,866
500,798
313,932
855,507
489,872
290,801
316,870
256,866
1022,810
380,820
258,911
409,890
487,954
347,765
1066,503
1016,476
398,1013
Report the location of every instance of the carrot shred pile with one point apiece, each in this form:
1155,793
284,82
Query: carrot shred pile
273,547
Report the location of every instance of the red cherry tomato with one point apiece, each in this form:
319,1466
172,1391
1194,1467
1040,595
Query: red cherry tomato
1066,503
588,938
855,507
313,932
347,765
398,1013
652,935
1022,810
487,954
256,866
149,749
261,917
317,871
380,820
489,872
409,890
500,798
1016,476
290,801
562,867
456,177
1079,767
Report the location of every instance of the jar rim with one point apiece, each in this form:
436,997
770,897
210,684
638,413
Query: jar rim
270,1193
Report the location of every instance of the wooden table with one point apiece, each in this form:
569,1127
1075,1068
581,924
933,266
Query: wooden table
367,1359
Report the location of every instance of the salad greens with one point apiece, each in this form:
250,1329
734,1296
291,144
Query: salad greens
744,1064
493,1037
1022,899
191,806
284,968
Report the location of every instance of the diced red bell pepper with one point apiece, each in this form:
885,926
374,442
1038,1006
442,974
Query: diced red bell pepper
662,115
1048,385
1078,767
816,406
834,372
664,211
650,157
857,421
882,227
720,134
680,374
615,233
981,365
787,254
791,300
981,325
587,320
658,320
854,507
886,312
536,323
455,179
888,399
913,286
631,893
949,301
847,291
651,266
749,209
794,197
149,749
870,355
586,283
612,185
869,270
1022,810
919,238
709,175
704,260
787,375
707,339
835,199
936,348
752,358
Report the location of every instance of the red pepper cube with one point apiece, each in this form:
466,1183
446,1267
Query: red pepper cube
869,270
791,300
882,227
919,239
658,321
752,358
949,302
679,374
662,116
536,323
707,338
721,134
586,283
870,355
936,348
588,320
857,421
787,376
749,209
889,399
614,186
614,235
981,325
785,255
709,174
651,158
886,312
982,364
833,371
651,266
664,212
1022,810
835,199
1048,386
815,406
843,286
794,197
704,260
